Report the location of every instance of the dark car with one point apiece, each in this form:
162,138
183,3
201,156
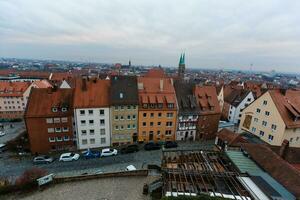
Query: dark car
170,144
130,148
152,146
91,154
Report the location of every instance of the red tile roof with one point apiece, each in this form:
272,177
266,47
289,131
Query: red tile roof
288,104
13,88
233,139
207,99
92,93
273,164
42,100
42,84
156,73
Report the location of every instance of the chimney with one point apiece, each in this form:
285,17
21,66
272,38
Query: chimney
140,86
83,86
161,84
283,149
283,91
121,95
95,80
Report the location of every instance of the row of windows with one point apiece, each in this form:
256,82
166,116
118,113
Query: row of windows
265,123
267,113
92,132
56,120
12,107
12,102
14,98
59,139
91,122
121,137
129,126
91,112
167,133
158,105
93,141
169,115
123,107
121,117
262,133
168,124
58,130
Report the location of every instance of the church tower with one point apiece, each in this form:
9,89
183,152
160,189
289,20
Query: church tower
181,66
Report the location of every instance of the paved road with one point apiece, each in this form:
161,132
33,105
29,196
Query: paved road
11,133
13,167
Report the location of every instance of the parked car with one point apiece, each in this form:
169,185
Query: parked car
2,133
69,157
152,146
91,154
130,148
42,159
171,144
109,152
130,168
3,148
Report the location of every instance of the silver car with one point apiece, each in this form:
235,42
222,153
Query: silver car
43,159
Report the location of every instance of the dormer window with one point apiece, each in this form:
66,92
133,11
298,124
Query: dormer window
54,109
64,109
170,105
160,105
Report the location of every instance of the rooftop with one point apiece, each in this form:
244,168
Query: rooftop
207,99
13,88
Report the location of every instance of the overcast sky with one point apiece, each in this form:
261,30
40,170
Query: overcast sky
213,33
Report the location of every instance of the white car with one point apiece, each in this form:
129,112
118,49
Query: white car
130,168
108,152
2,133
69,157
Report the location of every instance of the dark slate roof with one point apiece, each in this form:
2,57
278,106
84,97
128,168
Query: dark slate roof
236,97
124,90
187,102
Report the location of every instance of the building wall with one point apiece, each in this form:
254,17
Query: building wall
186,127
235,112
221,98
293,136
144,133
45,136
92,135
121,133
207,126
256,119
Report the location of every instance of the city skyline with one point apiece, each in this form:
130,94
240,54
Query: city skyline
212,34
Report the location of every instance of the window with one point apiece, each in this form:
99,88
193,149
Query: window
169,115
101,112
56,120
121,117
128,117
168,132
151,123
160,105
151,114
297,138
291,139
54,109
83,132
159,114
273,127
158,132
122,107
102,131
128,107
64,109
258,110
170,105
82,112
84,141
64,119
92,141
116,117
103,140
65,129
91,122
121,127
116,127
145,105
51,139
58,139
253,129
255,119
261,133
169,124
133,126
91,112
50,130
134,107
128,126
82,122
144,124
49,120
158,123
267,113
264,123
249,99
92,131
58,130
271,137
144,114
133,117
102,122
66,138
144,133
265,102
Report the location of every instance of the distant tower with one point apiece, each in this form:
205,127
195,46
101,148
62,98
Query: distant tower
129,64
181,66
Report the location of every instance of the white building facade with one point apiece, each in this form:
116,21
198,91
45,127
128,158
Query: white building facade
92,127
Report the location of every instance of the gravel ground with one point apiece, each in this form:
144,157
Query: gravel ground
121,188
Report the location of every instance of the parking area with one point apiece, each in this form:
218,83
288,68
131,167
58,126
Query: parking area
11,130
14,166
